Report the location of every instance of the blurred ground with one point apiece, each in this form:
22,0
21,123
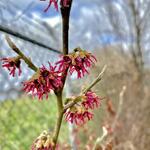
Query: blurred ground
21,120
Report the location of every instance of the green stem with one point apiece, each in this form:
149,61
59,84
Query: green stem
59,119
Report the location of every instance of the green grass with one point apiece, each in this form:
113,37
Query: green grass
22,120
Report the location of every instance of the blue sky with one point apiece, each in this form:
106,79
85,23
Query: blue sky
39,6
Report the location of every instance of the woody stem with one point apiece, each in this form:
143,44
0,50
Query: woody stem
22,56
65,13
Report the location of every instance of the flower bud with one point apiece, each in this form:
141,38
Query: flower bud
43,142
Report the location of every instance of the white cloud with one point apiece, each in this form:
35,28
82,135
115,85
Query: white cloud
22,3
53,21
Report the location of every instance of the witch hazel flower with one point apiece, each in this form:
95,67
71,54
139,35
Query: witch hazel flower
12,64
36,86
52,77
78,115
79,61
90,100
63,3
43,142
43,81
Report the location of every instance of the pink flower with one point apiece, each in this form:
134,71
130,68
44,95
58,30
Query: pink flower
77,61
12,64
50,2
64,63
78,115
43,142
43,81
52,77
91,100
64,3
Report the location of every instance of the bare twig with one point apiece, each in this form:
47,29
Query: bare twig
99,77
17,50
121,96
96,80
137,55
100,139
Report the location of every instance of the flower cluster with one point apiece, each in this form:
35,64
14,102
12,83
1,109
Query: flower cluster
91,100
79,113
63,3
12,64
78,61
43,142
43,81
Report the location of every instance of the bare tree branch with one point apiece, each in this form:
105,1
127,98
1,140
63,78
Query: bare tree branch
137,54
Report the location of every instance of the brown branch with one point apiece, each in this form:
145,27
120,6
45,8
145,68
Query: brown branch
99,77
121,96
137,55
100,139
17,50
65,13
